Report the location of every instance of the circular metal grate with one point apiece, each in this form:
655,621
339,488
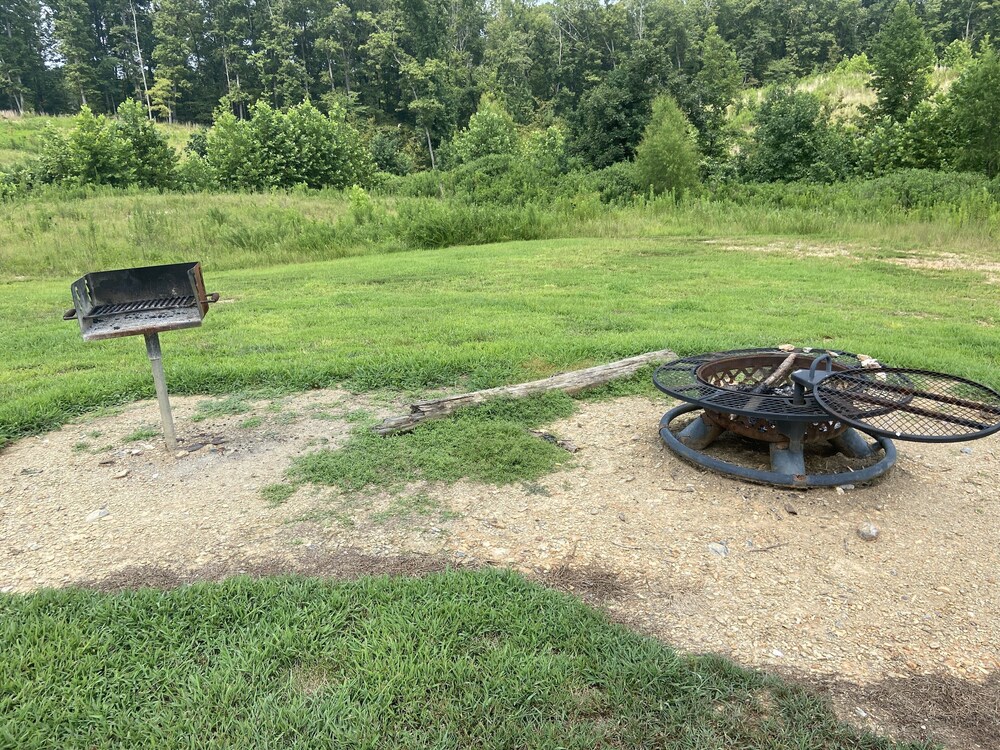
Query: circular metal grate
724,382
912,405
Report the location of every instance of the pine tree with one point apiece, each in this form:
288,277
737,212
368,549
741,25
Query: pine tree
902,59
667,157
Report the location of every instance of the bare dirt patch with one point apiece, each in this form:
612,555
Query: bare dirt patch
628,527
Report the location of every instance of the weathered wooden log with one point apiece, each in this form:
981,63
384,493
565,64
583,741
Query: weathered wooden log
569,382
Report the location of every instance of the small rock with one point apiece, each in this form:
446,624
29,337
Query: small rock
967,451
846,487
777,652
721,549
839,490
861,713
98,514
621,517
121,474
790,509
180,454
787,348
459,554
135,452
868,531
636,437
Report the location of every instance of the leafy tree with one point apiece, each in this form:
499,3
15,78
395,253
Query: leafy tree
974,113
149,159
175,27
717,83
667,158
902,58
21,61
491,131
795,140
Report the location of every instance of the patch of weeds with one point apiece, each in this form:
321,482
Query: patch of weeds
324,415
276,494
285,417
94,433
536,488
276,406
81,446
489,443
234,404
359,416
406,507
322,515
249,424
143,433
296,542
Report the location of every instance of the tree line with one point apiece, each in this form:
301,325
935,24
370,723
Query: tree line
424,63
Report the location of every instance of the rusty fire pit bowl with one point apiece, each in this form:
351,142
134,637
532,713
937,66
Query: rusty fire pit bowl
746,372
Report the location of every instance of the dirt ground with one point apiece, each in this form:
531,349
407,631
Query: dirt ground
902,632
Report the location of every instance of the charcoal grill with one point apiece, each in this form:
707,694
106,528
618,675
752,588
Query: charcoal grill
794,398
142,301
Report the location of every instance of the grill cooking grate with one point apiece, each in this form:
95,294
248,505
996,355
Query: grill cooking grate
145,305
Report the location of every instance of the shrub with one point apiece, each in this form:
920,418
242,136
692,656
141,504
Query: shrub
491,131
617,183
795,140
667,157
102,151
387,150
282,149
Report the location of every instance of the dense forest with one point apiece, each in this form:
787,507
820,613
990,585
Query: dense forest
411,74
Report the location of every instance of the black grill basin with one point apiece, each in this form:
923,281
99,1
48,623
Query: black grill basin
133,301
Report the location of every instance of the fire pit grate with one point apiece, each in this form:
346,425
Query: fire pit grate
147,305
912,405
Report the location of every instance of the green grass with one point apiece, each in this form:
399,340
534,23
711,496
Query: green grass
484,316
488,443
275,494
221,407
143,433
482,660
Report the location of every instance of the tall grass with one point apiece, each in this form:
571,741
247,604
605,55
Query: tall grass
65,232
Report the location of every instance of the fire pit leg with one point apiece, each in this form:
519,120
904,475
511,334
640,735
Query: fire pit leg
160,379
699,433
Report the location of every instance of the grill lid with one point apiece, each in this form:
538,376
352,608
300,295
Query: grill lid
915,405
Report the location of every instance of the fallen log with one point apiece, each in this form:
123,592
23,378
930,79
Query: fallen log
569,382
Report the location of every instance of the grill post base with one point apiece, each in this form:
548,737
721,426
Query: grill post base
160,380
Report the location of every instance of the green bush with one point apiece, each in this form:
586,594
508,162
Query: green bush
974,112
491,131
99,150
276,149
617,183
795,140
666,159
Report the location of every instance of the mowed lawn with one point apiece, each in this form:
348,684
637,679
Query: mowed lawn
455,660
480,316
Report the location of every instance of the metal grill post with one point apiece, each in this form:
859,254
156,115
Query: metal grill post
160,379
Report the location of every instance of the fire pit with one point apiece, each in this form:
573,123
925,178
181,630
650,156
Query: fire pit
793,398
145,301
